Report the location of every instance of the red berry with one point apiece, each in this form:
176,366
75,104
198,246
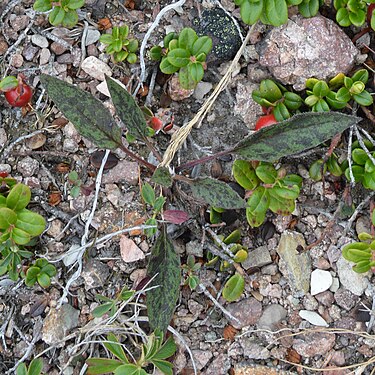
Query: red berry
3,174
19,96
156,124
264,121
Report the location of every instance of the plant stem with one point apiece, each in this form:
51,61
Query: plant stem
193,163
137,158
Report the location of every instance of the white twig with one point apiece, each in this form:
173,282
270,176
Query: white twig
148,34
367,135
362,144
349,157
78,261
224,246
217,304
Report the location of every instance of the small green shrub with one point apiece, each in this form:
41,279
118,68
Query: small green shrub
274,12
352,12
119,45
189,270
185,54
64,12
270,189
154,352
35,368
41,272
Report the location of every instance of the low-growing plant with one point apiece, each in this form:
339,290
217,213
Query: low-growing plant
185,54
275,98
119,45
95,122
18,226
274,12
149,196
35,368
189,272
76,182
155,352
354,12
40,272
269,189
110,305
319,168
234,287
64,12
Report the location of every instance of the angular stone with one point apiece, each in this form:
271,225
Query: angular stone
201,358
257,258
272,315
247,311
94,273
124,171
353,281
307,47
39,40
246,369
295,266
253,348
313,318
345,298
312,344
320,281
96,68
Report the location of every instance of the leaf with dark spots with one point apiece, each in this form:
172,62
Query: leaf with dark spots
301,132
127,109
165,266
92,120
216,193
162,177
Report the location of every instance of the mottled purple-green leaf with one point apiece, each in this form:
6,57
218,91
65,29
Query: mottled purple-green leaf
301,132
162,177
127,109
165,266
86,113
216,193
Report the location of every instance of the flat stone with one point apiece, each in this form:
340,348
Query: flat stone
353,281
96,68
272,315
39,40
246,369
219,365
124,171
325,298
202,89
313,318
312,344
92,36
57,324
201,358
94,273
258,257
44,57
253,348
130,252
320,281
247,311
345,299
307,47
295,266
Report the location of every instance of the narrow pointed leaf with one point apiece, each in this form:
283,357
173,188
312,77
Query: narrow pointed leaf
216,193
301,132
86,113
127,109
165,266
115,349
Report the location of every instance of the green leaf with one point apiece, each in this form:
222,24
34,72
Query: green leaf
162,177
321,89
342,17
7,217
21,369
234,287
8,83
179,57
44,280
196,71
361,75
362,266
115,349
216,193
186,80
151,231
276,12
308,8
202,45
250,11
19,197
359,156
166,350
233,237
282,139
317,169
155,53
164,265
70,19
270,91
57,15
292,101
20,237
321,106
148,194
102,309
164,366
166,67
127,109
358,18
364,98
30,222
291,192
257,206
76,4
266,173
100,366
87,114
159,203
369,181
245,174
279,205
42,5
186,39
